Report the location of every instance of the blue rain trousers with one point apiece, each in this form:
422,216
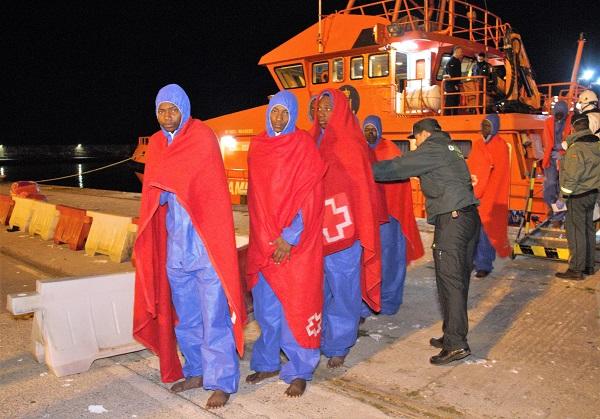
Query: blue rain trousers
393,268
485,254
342,301
204,331
275,335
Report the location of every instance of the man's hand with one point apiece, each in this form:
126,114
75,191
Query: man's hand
282,250
474,180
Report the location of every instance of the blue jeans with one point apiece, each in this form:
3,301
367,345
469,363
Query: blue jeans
485,254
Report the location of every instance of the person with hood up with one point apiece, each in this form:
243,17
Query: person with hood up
556,129
188,289
400,238
579,182
452,208
350,225
489,164
285,253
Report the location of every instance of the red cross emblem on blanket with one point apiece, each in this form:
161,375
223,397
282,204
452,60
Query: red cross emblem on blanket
313,327
337,222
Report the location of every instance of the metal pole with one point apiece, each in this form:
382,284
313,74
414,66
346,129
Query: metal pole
319,35
573,83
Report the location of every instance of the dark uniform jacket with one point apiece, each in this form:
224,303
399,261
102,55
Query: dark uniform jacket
441,167
580,166
453,69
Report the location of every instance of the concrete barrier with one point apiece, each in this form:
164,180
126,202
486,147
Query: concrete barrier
111,235
44,218
21,214
79,320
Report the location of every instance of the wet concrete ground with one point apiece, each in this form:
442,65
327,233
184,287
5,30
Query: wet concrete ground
535,342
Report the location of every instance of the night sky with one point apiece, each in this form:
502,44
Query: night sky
88,72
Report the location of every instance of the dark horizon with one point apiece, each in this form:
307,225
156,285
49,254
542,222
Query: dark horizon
89,74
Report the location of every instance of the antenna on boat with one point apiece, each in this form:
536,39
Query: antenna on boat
319,35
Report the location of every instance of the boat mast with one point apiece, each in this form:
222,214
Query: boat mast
319,35
573,83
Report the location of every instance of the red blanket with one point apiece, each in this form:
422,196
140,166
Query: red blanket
548,138
490,162
286,174
350,193
192,168
398,196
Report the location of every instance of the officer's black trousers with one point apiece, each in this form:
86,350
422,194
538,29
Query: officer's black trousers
581,233
453,246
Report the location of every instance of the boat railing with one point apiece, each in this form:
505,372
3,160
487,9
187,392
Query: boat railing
448,17
553,92
143,140
473,95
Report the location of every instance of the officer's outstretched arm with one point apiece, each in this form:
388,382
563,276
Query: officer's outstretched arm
414,163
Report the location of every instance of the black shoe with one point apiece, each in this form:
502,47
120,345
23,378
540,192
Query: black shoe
569,274
481,274
446,356
589,271
437,342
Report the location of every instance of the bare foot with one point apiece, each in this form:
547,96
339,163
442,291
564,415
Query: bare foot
257,377
187,384
217,399
336,361
296,388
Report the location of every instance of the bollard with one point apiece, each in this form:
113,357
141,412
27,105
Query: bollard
73,227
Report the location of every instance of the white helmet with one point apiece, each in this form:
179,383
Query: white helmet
587,98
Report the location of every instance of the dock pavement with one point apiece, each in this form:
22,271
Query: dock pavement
535,344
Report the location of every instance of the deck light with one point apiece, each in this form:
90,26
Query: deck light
587,74
228,142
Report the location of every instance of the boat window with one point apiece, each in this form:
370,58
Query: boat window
401,69
465,65
379,65
320,72
291,76
338,69
356,68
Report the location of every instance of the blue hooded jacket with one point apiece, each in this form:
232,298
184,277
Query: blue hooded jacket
173,93
495,121
376,122
559,125
289,102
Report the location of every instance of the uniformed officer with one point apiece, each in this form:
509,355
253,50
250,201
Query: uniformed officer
452,208
452,87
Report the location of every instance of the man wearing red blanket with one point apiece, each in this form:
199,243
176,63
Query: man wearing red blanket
400,238
187,280
350,226
489,164
285,253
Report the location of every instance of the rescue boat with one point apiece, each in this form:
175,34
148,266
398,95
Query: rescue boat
388,57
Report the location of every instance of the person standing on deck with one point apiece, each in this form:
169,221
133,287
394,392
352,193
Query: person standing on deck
579,182
400,238
285,253
556,129
452,208
188,290
489,164
453,69
350,228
